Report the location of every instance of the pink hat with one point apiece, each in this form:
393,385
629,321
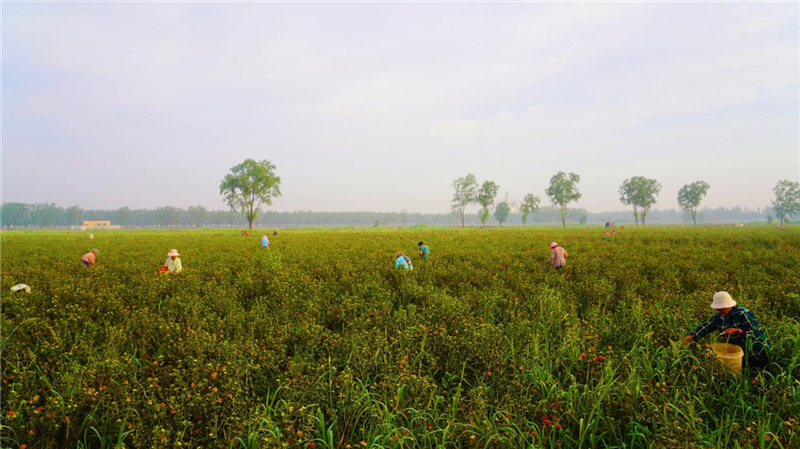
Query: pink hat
553,245
173,252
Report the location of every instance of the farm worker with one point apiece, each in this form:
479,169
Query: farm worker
401,261
90,257
423,250
91,236
275,233
740,326
173,263
264,241
606,233
558,256
613,233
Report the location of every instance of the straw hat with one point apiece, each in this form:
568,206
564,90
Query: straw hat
553,245
96,251
173,252
722,300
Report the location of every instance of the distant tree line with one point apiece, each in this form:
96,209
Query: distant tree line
638,191
21,215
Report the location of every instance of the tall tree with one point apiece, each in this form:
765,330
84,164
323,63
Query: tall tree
249,185
563,190
690,196
501,212
530,205
73,215
466,193
787,199
46,214
123,216
197,215
640,192
486,195
168,215
14,214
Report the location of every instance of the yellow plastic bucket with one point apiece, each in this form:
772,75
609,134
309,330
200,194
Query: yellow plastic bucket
729,355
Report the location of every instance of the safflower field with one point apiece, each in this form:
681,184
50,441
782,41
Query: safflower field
319,342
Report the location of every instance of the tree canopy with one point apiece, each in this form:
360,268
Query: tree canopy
530,205
563,190
690,196
466,193
248,186
501,212
486,195
787,199
640,192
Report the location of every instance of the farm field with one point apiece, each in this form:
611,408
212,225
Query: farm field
319,342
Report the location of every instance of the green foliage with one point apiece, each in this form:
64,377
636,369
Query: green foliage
530,205
197,215
73,215
466,193
319,339
486,195
563,190
249,185
690,196
123,216
501,212
787,199
640,192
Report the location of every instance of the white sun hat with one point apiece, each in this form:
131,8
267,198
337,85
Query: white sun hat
553,245
722,300
173,252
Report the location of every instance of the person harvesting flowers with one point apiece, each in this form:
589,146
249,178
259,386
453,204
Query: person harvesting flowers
402,261
264,241
173,264
558,256
739,325
423,250
90,258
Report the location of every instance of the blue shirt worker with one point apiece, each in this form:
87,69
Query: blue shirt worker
741,328
401,261
264,241
423,250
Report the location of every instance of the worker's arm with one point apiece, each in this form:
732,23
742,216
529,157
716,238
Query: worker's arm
703,329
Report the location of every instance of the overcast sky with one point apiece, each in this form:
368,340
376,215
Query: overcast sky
381,106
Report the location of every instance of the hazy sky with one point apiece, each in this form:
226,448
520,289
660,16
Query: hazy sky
381,106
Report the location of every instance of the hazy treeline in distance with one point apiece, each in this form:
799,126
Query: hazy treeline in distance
21,215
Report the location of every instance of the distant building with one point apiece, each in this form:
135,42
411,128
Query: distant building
98,224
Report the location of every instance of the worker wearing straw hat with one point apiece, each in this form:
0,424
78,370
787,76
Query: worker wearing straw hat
739,325
173,263
558,256
90,257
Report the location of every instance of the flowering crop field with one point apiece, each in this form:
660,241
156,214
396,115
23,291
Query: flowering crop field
319,342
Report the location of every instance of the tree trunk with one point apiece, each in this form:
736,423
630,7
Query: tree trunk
694,217
563,217
462,217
